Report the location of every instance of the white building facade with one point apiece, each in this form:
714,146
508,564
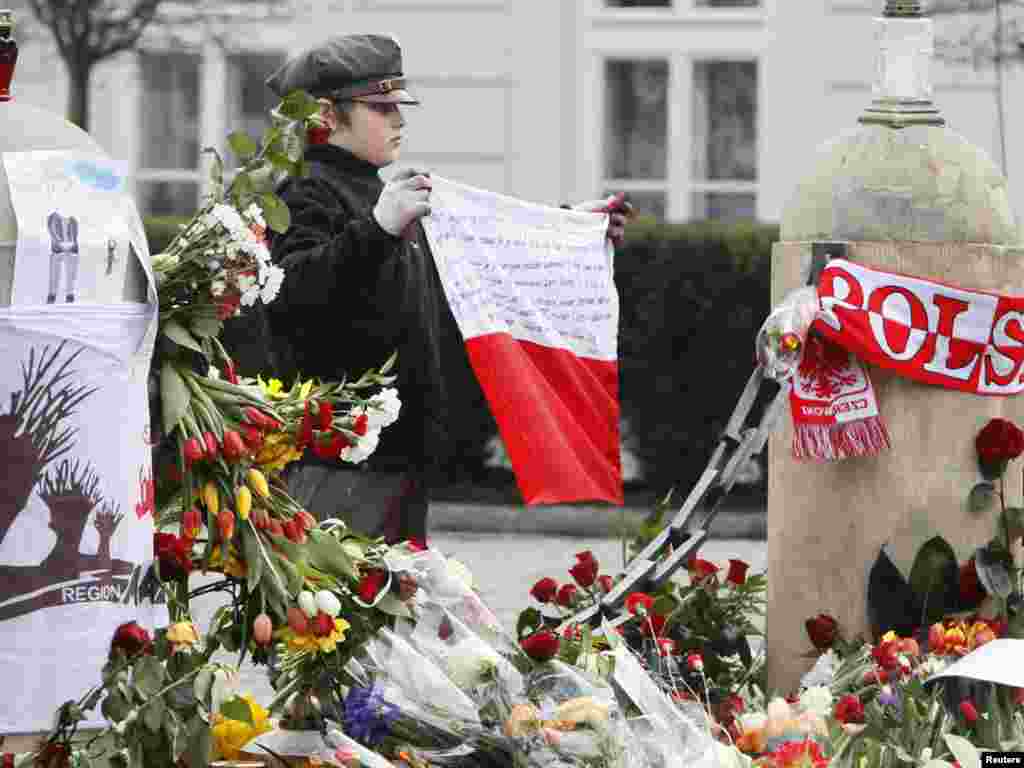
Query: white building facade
696,108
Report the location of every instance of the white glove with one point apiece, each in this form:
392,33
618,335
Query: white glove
402,201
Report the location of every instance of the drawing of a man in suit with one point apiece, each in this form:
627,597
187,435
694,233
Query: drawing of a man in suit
63,254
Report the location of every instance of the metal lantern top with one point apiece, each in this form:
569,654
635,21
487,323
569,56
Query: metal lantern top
902,174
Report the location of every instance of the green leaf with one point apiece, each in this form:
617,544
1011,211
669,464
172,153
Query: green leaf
298,105
242,185
149,675
529,620
327,554
237,709
203,682
242,145
115,706
253,555
199,744
664,605
180,336
275,212
206,327
981,497
153,714
392,606
174,395
281,161
934,578
965,753
216,170
993,567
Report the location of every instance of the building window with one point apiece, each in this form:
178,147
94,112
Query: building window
638,3
724,172
250,100
728,3
169,158
636,131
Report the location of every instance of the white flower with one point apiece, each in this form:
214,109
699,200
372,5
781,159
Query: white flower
213,373
823,672
328,603
307,603
229,219
361,451
225,687
217,288
255,214
458,571
272,284
817,700
384,408
466,669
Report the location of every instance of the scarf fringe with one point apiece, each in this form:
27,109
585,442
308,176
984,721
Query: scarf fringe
832,442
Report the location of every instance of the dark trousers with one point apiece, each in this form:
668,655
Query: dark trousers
389,504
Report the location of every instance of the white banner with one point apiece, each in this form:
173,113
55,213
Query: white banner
76,492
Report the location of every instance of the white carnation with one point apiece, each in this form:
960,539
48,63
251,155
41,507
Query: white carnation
271,284
817,700
229,219
217,288
354,454
384,409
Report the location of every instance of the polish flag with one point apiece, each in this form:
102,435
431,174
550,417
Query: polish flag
532,290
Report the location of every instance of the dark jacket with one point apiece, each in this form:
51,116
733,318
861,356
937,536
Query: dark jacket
353,294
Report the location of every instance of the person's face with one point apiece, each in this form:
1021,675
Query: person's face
374,132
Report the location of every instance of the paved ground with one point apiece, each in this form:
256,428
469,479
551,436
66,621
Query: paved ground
505,566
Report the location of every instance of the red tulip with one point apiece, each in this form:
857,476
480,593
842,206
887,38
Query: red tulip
544,591
639,604
226,523
252,437
330,445
294,531
886,655
191,523
297,620
849,710
823,631
173,554
737,572
262,630
210,444
193,451
566,595
131,640
306,520
362,425
702,571
371,583
585,570
605,582
540,646
655,624
275,527
323,625
936,638
234,448
229,372
326,414
695,662
968,711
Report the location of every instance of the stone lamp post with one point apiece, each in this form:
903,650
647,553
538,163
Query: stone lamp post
904,193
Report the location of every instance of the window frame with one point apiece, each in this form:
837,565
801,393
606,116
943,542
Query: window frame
679,10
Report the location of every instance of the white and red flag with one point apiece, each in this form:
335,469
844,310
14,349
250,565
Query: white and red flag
532,290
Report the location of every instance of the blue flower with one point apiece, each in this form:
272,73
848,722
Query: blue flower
367,716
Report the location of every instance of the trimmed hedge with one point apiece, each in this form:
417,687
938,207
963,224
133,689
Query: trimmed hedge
692,297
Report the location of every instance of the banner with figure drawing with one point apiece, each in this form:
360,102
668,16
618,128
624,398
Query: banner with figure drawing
532,290
76,493
78,230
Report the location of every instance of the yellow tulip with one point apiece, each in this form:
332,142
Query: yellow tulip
259,483
243,502
211,498
182,635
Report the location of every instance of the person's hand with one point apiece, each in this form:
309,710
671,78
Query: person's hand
619,211
403,200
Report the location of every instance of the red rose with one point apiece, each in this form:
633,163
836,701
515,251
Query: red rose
823,631
605,583
572,632
131,640
173,556
322,625
317,134
639,604
544,590
702,571
971,590
886,655
566,595
330,445
666,646
999,440
737,572
585,570
695,662
849,710
540,646
968,711
371,583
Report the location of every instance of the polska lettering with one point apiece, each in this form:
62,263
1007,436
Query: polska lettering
925,330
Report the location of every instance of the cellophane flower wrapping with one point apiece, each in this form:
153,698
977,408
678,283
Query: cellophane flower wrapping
781,339
670,737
